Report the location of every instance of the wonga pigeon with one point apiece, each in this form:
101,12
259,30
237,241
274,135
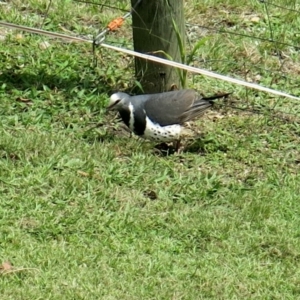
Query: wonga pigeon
161,117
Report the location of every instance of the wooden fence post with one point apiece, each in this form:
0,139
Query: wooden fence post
154,33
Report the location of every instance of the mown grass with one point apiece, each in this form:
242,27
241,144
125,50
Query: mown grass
91,213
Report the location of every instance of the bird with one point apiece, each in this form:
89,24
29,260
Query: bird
161,117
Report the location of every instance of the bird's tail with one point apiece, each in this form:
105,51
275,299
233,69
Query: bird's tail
216,96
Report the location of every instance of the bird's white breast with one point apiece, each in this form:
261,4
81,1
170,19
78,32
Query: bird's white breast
162,133
131,120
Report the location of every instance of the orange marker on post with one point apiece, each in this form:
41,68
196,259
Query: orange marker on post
115,24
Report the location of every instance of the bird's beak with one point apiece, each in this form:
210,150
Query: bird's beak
111,107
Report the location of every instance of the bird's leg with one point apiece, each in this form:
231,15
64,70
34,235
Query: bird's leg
177,145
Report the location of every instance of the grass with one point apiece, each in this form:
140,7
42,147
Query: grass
89,213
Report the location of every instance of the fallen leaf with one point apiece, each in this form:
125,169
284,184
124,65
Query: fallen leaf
6,266
24,100
255,19
82,173
19,36
44,45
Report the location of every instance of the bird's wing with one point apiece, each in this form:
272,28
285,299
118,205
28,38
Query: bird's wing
168,108
200,106
196,110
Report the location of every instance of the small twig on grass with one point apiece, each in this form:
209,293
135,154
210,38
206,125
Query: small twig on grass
17,270
7,268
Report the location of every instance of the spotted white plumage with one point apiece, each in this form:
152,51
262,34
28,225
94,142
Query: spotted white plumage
162,134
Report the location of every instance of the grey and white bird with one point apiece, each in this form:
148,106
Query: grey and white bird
161,117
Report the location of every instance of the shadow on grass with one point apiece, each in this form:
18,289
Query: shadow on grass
199,146
203,146
15,78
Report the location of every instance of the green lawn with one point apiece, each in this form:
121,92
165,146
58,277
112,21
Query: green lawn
88,212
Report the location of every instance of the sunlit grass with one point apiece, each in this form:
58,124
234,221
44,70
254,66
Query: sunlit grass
89,213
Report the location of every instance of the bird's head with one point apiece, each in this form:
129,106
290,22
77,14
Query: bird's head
118,101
